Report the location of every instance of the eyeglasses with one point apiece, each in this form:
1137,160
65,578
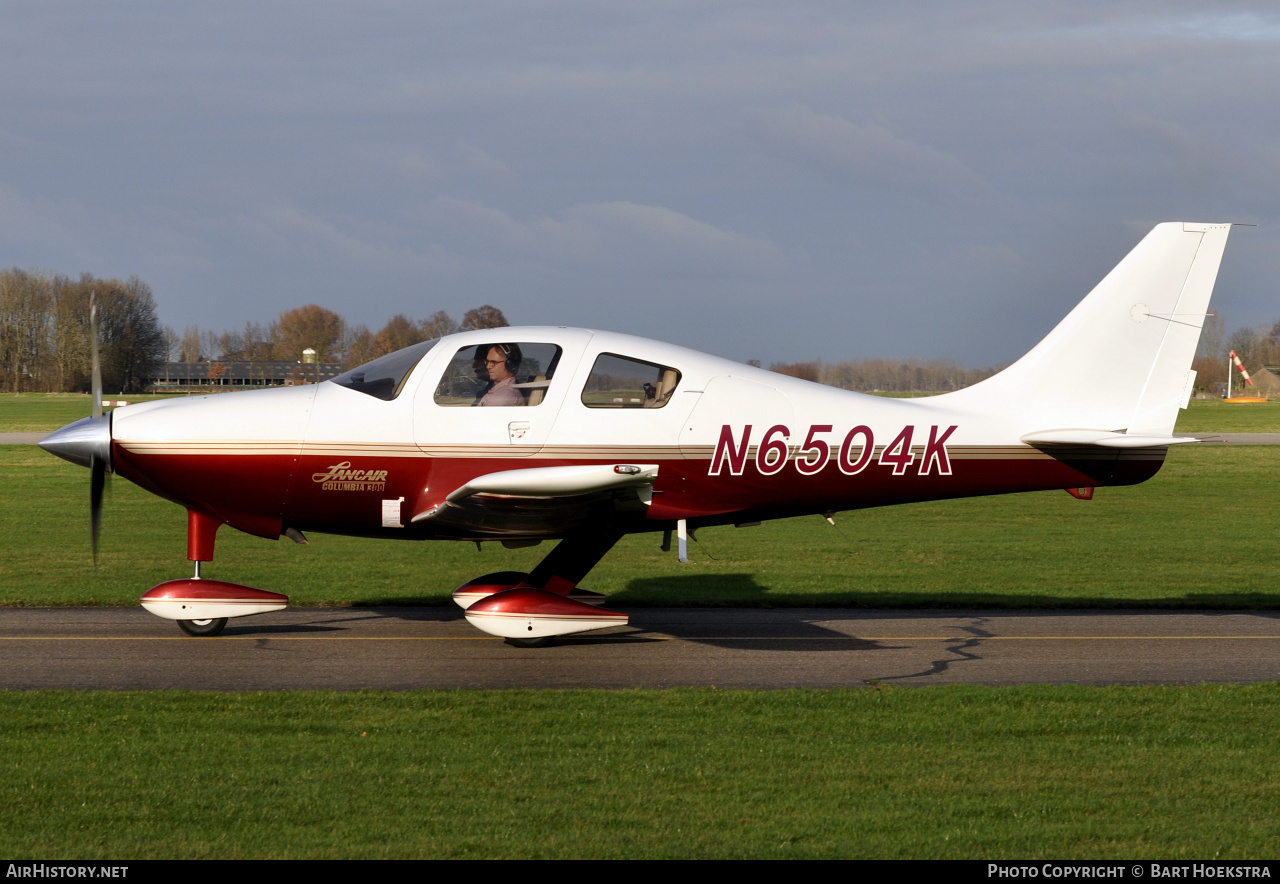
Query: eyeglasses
492,362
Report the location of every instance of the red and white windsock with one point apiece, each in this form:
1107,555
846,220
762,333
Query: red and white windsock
1240,365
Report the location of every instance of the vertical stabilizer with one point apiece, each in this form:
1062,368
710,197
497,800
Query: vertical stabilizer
1121,360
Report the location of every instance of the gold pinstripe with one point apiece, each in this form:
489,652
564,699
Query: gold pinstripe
588,452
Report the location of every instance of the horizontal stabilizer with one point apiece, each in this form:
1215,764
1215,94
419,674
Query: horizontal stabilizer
1101,439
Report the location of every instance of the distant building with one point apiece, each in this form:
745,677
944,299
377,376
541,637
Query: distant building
183,376
1266,379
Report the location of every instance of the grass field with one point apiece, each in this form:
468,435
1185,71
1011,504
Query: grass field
1215,416
1061,772
45,412
1043,772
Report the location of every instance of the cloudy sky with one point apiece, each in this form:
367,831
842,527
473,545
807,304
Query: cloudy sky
782,181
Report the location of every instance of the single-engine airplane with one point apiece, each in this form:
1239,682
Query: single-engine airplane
585,436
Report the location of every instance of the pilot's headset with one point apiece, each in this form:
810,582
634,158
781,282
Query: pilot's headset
511,354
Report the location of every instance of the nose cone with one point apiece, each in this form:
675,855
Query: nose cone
83,442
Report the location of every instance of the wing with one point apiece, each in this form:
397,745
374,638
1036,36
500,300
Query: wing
543,501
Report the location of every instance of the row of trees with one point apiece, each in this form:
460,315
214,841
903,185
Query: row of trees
401,331
44,341
317,328
44,334
888,375
1257,346
44,331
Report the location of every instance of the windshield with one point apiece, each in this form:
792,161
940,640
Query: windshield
383,377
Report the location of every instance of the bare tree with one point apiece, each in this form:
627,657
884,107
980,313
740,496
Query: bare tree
359,348
1245,341
888,375
1211,334
807,371
398,333
45,331
306,327
24,329
231,346
256,346
172,343
131,339
208,344
71,335
191,344
486,316
1210,362
439,324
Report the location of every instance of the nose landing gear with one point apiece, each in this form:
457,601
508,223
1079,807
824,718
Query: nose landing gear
202,607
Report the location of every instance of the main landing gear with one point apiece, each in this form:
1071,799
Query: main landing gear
531,642
203,628
530,610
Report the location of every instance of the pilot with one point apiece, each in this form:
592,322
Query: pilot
481,371
503,362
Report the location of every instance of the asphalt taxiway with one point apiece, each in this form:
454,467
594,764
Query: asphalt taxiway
408,648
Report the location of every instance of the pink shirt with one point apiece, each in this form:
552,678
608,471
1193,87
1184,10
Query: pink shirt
503,393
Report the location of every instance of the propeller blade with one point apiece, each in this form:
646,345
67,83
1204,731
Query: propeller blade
97,480
87,442
97,368
97,466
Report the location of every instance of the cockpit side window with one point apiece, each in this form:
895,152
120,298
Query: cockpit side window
622,382
384,377
498,373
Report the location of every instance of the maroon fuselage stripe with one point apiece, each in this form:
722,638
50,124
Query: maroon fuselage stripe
260,493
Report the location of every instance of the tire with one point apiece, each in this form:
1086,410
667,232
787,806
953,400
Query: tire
203,628
531,642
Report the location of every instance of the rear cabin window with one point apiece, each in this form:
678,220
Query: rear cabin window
622,382
507,374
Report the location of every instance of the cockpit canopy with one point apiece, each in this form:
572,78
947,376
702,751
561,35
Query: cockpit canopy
516,372
384,377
